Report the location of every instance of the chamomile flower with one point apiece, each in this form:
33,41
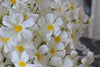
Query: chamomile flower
21,61
73,5
4,11
40,52
23,9
81,17
50,26
56,49
41,33
87,60
38,39
20,47
5,44
59,7
59,62
16,27
61,37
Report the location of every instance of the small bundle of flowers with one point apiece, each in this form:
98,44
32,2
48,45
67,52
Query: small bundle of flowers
41,33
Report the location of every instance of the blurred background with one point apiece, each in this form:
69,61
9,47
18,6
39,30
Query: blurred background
90,41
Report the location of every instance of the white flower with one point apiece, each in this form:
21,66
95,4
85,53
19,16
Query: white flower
73,53
58,62
88,59
41,33
21,61
59,7
56,49
40,54
4,11
16,27
51,25
23,9
61,37
81,17
20,47
5,44
37,38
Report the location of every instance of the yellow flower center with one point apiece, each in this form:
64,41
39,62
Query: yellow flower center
38,56
19,48
79,18
44,42
50,27
75,22
2,47
22,64
18,28
59,9
77,30
13,1
52,51
4,13
72,7
33,39
25,16
38,34
35,0
4,39
57,39
72,36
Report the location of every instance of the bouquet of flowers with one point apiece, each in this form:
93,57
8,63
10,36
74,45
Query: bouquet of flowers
41,33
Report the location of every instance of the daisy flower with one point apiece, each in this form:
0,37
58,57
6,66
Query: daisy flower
59,62
50,26
56,49
59,7
5,44
81,17
21,61
17,28
40,53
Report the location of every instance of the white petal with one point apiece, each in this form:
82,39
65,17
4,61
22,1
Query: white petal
35,16
41,22
50,18
27,34
6,32
64,36
16,38
56,61
73,53
60,53
68,62
35,27
59,46
57,31
43,49
33,65
56,1
24,56
15,57
58,22
19,18
7,22
28,23
6,48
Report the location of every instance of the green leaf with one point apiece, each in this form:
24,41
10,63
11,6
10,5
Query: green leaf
54,9
34,5
11,5
67,10
73,20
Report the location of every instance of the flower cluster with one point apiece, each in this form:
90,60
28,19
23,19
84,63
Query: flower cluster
41,33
